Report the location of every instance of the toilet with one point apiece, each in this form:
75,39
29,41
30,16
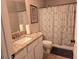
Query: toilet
47,46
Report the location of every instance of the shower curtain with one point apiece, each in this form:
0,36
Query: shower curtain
57,23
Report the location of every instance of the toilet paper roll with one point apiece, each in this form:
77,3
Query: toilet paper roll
21,27
28,29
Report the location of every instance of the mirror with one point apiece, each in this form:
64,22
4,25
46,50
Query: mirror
18,17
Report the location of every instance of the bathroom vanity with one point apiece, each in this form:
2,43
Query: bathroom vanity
29,47
21,42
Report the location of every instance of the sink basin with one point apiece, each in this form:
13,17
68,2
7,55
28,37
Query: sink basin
23,40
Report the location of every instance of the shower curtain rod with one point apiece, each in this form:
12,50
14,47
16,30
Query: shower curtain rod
65,4
60,4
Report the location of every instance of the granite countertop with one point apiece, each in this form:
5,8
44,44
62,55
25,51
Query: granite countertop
25,41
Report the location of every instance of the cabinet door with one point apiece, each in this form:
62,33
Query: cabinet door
31,54
39,51
18,56
24,53
31,49
25,57
21,54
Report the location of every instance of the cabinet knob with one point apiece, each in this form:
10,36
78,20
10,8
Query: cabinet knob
13,56
72,41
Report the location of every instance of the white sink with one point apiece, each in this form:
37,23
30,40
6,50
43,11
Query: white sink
23,40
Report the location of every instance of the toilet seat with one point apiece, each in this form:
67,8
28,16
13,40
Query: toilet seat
47,44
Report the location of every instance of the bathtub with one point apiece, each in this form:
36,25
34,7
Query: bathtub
63,46
63,50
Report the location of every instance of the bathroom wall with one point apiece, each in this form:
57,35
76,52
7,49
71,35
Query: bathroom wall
57,23
57,2
39,3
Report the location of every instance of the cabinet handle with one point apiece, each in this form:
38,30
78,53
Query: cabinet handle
13,56
23,57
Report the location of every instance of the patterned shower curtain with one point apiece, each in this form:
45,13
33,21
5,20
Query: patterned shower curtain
57,23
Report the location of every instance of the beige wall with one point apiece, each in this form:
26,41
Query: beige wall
39,3
57,2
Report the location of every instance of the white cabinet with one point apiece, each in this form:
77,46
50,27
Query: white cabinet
31,54
18,56
39,51
21,54
33,51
